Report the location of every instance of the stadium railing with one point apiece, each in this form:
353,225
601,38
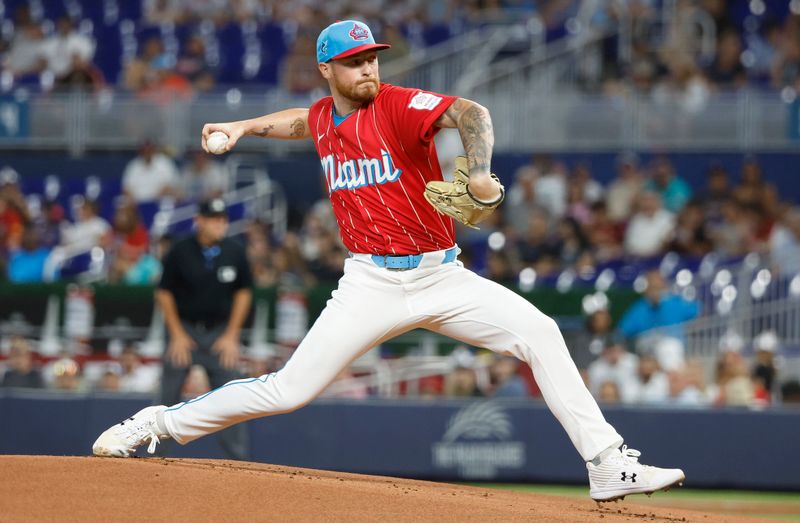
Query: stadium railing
566,121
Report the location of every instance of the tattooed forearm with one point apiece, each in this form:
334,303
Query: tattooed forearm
289,124
298,126
265,131
475,127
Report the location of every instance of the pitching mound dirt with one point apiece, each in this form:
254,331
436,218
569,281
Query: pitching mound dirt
46,488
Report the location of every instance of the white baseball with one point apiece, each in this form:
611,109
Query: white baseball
216,142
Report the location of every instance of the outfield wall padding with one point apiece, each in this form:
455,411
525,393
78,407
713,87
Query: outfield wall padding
483,440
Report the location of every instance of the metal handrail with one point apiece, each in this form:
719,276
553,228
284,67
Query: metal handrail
263,195
563,49
435,54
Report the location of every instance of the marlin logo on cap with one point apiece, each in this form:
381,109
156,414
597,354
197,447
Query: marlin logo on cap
345,38
359,32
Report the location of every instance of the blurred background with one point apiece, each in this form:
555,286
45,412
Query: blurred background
649,149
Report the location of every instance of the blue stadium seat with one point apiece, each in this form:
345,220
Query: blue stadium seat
108,53
147,212
586,279
130,9
145,32
53,9
274,49
93,10
435,34
75,266
12,6
183,32
231,54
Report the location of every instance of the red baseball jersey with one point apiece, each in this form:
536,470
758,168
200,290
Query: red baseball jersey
376,164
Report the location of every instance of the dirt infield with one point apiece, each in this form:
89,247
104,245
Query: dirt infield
45,488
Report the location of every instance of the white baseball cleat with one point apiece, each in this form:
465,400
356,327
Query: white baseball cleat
122,439
620,474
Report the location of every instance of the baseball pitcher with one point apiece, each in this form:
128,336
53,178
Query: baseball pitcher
395,214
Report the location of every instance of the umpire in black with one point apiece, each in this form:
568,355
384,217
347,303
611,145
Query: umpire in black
205,297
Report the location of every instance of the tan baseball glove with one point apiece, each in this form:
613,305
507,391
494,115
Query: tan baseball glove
455,200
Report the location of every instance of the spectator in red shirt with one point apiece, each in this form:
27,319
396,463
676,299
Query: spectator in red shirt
129,240
13,210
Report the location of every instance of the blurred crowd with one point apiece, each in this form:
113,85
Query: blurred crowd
34,234
554,219
709,46
745,375
177,49
174,48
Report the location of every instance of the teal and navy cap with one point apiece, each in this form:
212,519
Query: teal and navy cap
344,39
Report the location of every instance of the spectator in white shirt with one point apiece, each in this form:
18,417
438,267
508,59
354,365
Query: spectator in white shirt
150,176
135,376
25,56
69,54
89,229
551,187
203,178
650,228
623,190
653,385
784,243
521,199
615,364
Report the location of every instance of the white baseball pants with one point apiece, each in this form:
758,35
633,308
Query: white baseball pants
372,305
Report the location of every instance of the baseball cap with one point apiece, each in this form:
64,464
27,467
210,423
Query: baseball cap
213,207
345,38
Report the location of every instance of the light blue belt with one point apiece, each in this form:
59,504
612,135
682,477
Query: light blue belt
410,261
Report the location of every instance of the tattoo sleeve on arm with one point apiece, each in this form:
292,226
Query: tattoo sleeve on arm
265,131
475,127
298,128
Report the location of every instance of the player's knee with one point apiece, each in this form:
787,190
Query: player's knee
550,327
539,334
293,400
540,327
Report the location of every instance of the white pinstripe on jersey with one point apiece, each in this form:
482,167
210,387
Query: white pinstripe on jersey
405,192
421,177
357,198
342,227
377,187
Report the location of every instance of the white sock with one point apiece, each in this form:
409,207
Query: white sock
603,455
162,427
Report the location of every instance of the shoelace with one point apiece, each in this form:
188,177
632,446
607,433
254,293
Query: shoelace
630,455
151,448
140,434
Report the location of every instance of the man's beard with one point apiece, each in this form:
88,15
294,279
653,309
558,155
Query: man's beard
361,91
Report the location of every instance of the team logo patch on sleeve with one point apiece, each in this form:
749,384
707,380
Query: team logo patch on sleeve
424,101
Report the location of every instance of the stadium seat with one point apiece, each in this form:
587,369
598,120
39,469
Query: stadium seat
75,266
273,50
231,54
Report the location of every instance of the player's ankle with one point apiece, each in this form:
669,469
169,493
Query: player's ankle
161,424
610,451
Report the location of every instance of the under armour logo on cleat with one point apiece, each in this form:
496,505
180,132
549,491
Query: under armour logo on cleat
632,477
